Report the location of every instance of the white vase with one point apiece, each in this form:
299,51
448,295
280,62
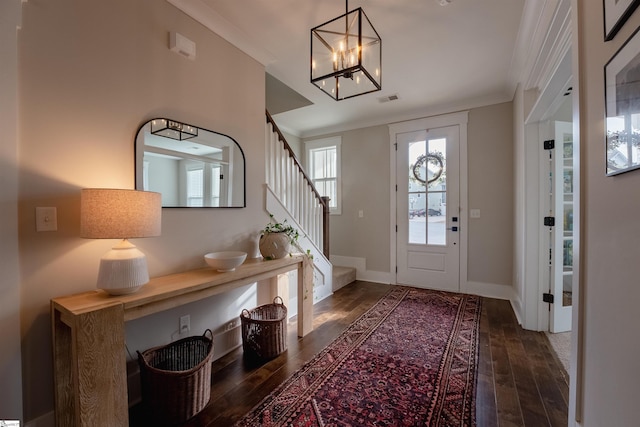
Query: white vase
274,245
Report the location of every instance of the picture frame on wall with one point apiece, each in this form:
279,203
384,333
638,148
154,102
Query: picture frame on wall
616,13
622,106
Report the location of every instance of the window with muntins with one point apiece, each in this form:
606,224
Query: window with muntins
323,166
204,184
195,191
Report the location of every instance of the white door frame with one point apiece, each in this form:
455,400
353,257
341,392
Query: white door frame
454,119
536,312
428,264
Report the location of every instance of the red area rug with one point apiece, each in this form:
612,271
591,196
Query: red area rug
409,361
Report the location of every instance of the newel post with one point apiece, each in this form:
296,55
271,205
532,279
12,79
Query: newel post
325,226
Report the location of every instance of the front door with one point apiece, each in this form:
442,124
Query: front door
427,203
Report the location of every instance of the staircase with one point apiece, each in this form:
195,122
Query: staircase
342,276
291,196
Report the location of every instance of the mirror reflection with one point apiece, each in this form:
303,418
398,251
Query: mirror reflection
189,166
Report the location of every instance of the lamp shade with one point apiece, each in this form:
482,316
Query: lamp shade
107,213
120,214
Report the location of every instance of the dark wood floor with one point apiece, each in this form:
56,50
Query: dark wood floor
520,380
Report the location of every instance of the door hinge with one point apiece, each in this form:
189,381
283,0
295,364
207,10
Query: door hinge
396,228
549,221
396,145
549,144
547,298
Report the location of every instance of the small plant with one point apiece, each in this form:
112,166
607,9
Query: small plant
281,227
270,249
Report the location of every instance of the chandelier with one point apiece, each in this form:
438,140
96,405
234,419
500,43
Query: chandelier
346,56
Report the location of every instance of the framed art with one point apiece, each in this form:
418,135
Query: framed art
622,105
616,13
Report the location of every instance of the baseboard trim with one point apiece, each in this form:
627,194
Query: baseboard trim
46,420
375,276
360,264
516,305
490,290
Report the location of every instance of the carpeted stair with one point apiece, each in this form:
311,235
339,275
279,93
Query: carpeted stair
342,276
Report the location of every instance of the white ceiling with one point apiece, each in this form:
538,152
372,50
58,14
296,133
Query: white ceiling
435,58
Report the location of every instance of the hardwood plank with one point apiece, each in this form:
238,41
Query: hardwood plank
533,410
549,389
520,382
486,412
509,412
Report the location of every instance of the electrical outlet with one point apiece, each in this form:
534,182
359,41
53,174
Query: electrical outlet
185,324
232,325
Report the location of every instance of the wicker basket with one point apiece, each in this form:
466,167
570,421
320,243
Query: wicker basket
264,330
176,379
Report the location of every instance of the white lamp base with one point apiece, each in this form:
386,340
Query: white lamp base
123,270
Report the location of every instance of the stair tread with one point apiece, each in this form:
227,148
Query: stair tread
342,276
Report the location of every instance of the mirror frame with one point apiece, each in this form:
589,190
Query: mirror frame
139,157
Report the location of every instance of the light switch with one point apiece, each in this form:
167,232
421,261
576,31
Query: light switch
46,219
474,213
360,214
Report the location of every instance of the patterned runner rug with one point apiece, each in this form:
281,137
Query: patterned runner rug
409,361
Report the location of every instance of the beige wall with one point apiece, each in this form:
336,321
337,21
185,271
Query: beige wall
611,234
296,145
490,166
10,362
91,72
366,186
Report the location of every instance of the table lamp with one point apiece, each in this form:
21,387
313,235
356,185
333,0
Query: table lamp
107,213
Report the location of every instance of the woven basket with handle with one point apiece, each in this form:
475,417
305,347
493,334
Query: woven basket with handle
264,330
176,379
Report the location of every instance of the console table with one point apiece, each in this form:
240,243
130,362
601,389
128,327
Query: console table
89,335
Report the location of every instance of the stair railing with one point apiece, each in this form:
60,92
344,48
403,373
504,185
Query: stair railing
292,186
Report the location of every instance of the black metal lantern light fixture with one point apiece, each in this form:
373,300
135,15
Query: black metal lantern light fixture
346,56
172,129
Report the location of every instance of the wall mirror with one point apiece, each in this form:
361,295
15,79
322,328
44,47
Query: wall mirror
189,166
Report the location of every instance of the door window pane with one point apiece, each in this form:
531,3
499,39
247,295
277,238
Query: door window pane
417,219
567,219
427,192
436,219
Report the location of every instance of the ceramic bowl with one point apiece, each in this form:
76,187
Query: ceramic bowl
226,260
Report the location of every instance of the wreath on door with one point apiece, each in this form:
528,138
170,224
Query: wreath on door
433,164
